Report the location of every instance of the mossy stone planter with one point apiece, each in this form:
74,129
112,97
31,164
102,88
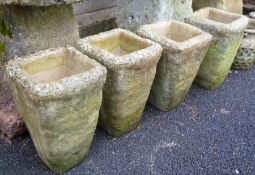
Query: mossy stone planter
227,30
131,63
58,93
184,48
245,57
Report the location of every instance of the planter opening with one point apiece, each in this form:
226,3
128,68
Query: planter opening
56,66
118,44
218,16
174,31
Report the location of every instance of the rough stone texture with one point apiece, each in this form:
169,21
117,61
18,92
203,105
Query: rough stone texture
184,48
58,94
11,124
235,6
27,29
246,53
131,62
227,30
37,2
30,29
95,16
135,13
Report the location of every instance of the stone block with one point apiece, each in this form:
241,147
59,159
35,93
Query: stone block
28,29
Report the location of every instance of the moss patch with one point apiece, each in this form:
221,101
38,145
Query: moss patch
4,29
216,64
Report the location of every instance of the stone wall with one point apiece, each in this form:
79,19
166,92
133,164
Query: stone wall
94,16
97,16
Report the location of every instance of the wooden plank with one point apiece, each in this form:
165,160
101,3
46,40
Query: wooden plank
93,5
96,16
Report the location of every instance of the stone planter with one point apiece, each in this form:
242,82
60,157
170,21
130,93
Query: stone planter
131,62
246,53
235,6
184,48
58,93
227,30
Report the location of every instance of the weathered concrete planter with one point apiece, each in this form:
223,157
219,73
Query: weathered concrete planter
227,30
246,53
184,48
131,62
58,93
235,6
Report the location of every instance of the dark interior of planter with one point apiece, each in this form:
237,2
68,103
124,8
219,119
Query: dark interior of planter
119,43
54,67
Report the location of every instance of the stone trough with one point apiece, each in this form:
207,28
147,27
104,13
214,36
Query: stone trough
227,30
58,93
131,63
184,48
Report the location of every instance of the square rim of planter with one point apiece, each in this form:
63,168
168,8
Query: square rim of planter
63,87
233,26
168,43
111,60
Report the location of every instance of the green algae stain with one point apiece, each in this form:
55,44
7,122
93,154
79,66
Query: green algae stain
216,64
2,48
4,29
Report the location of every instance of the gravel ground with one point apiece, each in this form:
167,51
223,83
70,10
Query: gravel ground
210,133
